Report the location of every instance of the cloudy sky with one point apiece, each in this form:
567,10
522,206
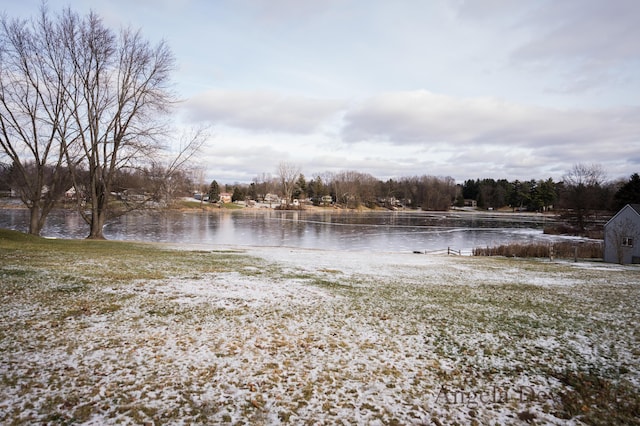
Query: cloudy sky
463,88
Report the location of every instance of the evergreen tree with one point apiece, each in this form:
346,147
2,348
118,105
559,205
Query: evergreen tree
480,198
316,189
300,190
238,194
520,195
547,193
629,193
214,192
534,202
471,189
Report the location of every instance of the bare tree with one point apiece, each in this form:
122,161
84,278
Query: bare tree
262,185
33,113
353,188
585,175
77,97
583,186
118,96
288,175
168,169
439,192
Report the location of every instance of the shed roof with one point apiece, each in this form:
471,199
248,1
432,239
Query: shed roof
634,207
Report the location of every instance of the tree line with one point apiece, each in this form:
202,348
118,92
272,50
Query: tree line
582,191
353,189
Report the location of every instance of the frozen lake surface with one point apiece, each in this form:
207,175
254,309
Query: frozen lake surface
330,230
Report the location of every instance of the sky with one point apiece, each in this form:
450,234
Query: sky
501,89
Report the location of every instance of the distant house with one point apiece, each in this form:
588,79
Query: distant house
134,194
225,197
326,200
622,236
70,193
388,202
271,198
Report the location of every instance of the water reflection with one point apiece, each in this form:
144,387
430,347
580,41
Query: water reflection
377,231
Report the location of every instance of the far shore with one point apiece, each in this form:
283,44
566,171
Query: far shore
192,205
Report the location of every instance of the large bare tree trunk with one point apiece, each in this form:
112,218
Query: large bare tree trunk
34,220
118,96
99,212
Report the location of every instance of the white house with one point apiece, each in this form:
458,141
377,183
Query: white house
225,197
70,194
271,198
622,236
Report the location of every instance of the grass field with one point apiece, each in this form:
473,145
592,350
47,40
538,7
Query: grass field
102,332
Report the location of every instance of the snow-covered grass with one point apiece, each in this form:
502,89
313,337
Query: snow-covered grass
105,332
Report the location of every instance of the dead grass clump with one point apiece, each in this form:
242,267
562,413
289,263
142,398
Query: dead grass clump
562,250
597,400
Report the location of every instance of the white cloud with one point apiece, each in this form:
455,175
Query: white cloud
262,111
412,133
589,44
562,48
421,117
591,30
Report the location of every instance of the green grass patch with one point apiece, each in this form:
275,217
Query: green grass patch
105,261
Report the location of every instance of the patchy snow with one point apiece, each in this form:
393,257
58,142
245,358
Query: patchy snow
325,337
232,288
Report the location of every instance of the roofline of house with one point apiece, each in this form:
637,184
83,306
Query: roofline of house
634,207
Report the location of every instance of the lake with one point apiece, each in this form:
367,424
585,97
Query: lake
329,230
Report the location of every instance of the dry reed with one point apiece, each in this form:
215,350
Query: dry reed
562,250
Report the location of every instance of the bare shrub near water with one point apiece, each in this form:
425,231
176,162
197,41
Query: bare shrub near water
563,250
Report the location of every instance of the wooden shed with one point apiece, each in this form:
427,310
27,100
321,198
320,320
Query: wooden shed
622,236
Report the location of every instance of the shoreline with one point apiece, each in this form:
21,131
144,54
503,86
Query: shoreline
211,208
427,231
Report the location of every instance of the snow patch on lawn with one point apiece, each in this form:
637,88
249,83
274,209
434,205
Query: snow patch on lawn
324,336
232,288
